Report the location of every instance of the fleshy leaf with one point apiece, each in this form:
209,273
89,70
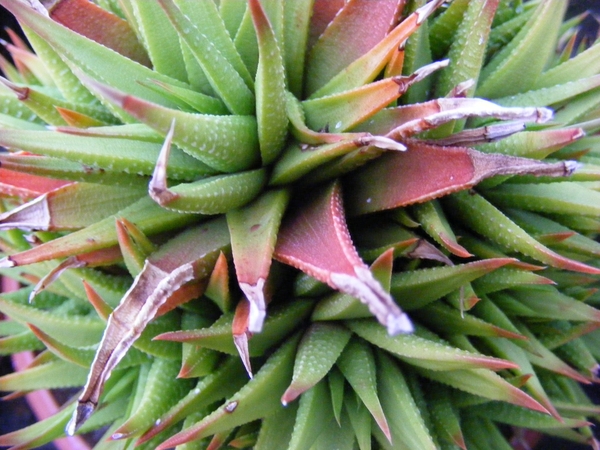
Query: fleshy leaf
548,302
498,228
173,265
396,179
406,422
39,433
269,87
484,383
527,53
19,184
509,350
469,43
314,413
132,156
513,415
163,48
224,69
84,330
444,416
227,143
318,351
134,244
241,333
423,352
414,289
346,38
366,67
146,214
541,356
550,198
253,231
434,222
342,111
51,374
280,321
218,284
357,363
46,106
222,383
210,195
70,207
94,59
156,395
99,25
441,317
264,389
321,225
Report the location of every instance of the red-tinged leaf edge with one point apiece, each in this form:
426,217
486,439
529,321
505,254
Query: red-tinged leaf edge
321,225
425,172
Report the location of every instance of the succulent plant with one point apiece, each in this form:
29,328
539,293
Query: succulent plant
304,224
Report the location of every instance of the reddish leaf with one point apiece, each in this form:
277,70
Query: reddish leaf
97,24
26,186
324,11
347,38
316,240
425,172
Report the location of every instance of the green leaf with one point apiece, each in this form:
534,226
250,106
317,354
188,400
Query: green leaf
95,60
227,143
583,65
218,385
414,289
70,207
423,352
522,417
204,32
158,394
357,364
314,413
527,53
253,231
270,86
65,328
127,156
406,424
145,213
165,271
484,218
49,375
39,433
469,42
320,347
159,37
346,39
277,428
259,398
484,383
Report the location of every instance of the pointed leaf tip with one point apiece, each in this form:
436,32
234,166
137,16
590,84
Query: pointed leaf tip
242,334
321,225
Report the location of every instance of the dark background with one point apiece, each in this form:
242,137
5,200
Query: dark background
15,414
